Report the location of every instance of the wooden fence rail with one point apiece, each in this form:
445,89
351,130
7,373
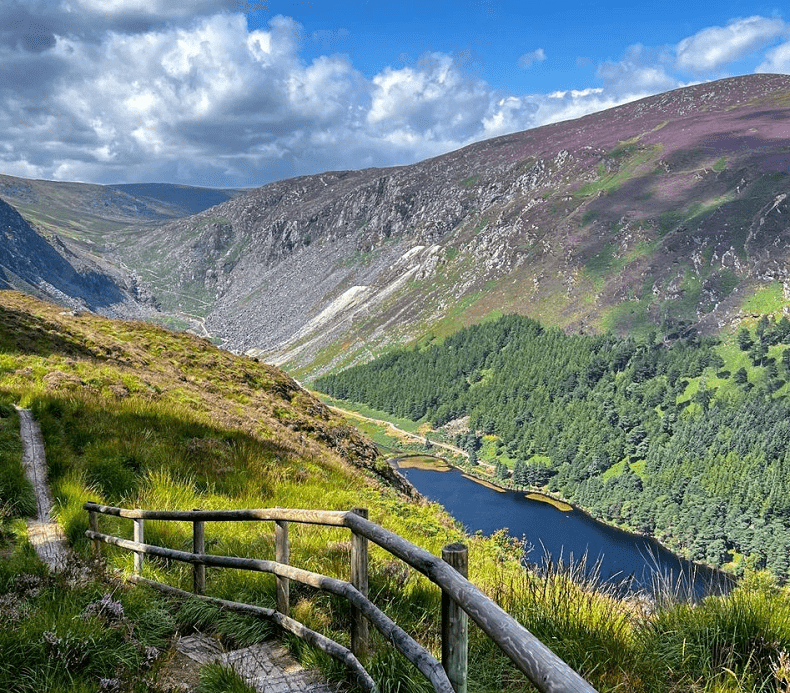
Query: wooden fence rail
460,597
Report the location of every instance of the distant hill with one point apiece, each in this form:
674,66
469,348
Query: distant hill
183,197
52,270
65,253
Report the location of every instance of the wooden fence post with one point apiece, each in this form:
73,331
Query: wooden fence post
199,547
359,578
93,524
282,555
139,536
455,623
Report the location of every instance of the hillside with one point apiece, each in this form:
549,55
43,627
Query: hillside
86,211
135,415
57,271
686,442
51,353
58,237
666,214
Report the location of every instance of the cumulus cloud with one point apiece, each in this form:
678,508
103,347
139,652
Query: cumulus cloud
212,102
717,46
141,90
529,59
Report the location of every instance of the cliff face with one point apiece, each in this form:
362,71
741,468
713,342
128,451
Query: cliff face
51,270
666,213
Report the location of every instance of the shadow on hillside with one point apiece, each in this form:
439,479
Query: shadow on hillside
691,180
23,333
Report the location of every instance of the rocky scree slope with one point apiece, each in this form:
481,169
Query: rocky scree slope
665,213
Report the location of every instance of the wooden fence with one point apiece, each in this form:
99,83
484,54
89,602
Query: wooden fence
460,598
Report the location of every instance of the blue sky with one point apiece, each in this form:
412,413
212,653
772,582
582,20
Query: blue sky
491,36
244,92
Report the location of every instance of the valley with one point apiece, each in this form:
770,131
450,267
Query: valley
597,309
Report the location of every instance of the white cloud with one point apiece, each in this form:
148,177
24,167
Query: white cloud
575,93
642,71
439,103
149,8
136,90
717,46
529,59
776,60
567,105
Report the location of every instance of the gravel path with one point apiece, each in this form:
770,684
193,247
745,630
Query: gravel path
44,533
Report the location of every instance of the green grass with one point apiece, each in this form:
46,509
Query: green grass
470,181
194,427
59,636
632,160
720,644
405,424
214,678
766,301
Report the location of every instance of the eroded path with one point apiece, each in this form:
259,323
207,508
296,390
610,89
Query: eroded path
44,533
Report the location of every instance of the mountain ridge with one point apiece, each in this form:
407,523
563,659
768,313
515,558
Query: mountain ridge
662,214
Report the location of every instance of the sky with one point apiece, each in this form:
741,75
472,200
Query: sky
239,93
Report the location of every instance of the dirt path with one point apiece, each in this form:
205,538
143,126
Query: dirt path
44,534
265,667
407,434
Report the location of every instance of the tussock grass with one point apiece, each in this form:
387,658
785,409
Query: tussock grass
722,643
60,636
214,678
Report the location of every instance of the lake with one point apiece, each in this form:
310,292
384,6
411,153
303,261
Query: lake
561,535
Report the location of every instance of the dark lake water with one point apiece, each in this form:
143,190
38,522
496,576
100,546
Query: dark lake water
568,535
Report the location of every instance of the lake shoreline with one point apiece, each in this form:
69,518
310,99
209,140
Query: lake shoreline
559,503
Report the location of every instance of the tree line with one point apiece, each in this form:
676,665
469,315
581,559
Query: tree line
660,437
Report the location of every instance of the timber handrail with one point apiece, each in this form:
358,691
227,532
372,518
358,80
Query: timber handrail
543,667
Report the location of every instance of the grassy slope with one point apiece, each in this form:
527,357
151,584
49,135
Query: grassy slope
135,415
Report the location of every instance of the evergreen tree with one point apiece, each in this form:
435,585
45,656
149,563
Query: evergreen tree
712,477
744,339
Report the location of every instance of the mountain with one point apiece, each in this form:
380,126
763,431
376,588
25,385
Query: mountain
664,214
52,270
56,234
